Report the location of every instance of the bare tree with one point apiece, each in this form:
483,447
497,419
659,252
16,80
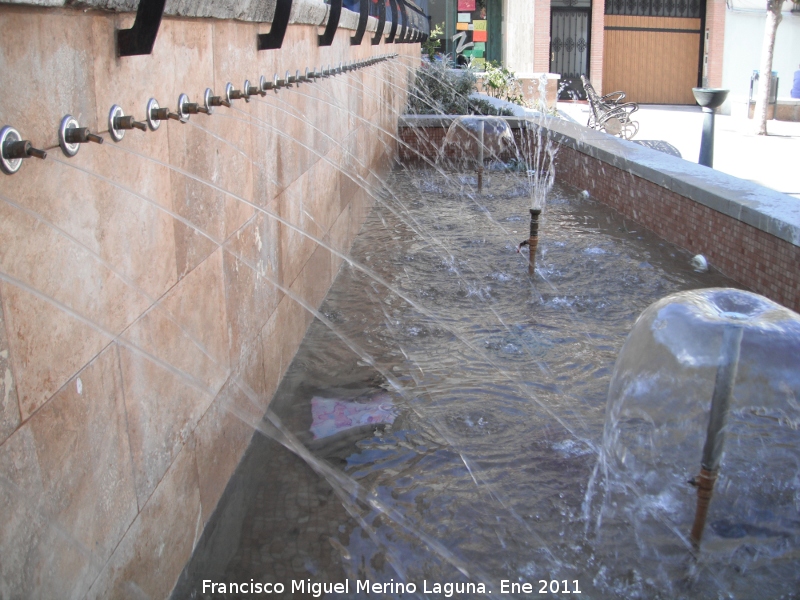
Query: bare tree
765,76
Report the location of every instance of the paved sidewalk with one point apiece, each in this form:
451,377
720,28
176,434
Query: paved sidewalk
772,161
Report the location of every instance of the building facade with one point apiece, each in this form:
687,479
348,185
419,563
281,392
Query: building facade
654,50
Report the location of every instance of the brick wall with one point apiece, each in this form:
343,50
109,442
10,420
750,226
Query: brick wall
715,24
756,259
541,36
597,47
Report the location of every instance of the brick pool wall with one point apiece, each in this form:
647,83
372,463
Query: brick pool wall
754,258
759,260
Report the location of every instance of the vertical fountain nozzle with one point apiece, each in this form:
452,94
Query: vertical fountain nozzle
715,435
71,136
13,149
533,239
119,123
481,138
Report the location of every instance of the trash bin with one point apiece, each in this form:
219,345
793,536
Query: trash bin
772,101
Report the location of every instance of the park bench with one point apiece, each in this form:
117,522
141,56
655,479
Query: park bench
609,113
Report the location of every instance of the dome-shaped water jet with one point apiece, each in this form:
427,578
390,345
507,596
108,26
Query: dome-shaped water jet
707,379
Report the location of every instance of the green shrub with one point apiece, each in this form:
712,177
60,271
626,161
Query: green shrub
439,90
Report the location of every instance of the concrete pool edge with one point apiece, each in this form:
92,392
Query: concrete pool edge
749,232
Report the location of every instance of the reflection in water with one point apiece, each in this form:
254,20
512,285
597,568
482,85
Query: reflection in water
482,473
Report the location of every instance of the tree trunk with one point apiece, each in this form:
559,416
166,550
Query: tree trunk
765,75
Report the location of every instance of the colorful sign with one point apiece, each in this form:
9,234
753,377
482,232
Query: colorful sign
464,17
462,26
479,36
466,5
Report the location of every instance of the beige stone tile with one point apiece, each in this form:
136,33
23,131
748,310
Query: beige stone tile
9,406
163,406
235,55
47,346
67,487
40,560
201,229
130,81
296,245
251,268
187,329
83,456
109,291
150,557
314,280
274,362
48,72
340,238
193,53
291,326
221,438
264,147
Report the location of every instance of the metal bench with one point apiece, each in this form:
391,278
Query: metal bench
609,113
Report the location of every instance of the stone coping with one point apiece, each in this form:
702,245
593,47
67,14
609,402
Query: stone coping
304,12
765,209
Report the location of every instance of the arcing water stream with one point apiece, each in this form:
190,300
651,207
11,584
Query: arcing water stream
443,420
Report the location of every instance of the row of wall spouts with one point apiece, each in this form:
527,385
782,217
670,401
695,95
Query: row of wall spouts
13,149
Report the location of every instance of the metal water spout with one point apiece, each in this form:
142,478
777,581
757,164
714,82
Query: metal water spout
13,149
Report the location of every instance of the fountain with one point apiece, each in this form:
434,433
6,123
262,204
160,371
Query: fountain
438,414
707,380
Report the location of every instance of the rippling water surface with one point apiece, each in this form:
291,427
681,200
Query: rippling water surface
499,383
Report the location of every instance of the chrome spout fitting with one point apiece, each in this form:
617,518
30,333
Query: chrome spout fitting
253,90
71,136
119,123
264,85
239,94
13,149
156,114
187,109
289,79
210,101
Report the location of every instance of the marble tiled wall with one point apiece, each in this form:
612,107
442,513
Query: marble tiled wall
142,287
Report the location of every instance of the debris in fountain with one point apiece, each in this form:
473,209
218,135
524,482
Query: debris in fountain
331,416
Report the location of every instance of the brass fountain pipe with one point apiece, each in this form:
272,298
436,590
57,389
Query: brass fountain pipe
480,156
715,436
533,239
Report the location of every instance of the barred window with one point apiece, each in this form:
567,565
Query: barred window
689,9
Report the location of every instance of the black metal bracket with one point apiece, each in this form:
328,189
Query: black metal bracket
326,39
395,17
376,39
401,39
363,15
280,20
140,38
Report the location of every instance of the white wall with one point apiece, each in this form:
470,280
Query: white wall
744,34
518,35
